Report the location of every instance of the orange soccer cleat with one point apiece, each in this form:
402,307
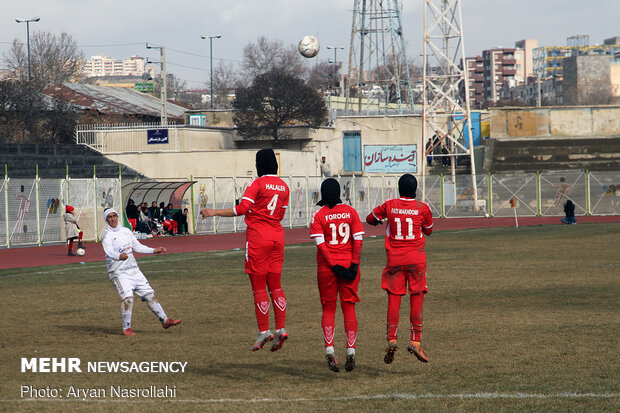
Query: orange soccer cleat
416,349
170,322
128,332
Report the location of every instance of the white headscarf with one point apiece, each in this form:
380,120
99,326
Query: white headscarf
107,226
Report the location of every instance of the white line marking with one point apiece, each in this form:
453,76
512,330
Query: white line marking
402,396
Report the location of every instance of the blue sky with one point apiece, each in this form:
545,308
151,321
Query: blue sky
119,29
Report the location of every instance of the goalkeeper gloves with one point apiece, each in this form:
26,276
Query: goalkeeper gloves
352,271
340,271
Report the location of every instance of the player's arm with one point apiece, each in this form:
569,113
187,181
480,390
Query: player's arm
223,212
142,249
109,250
377,214
316,233
427,224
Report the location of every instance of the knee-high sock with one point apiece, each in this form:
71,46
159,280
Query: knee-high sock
350,322
126,309
328,322
392,315
156,308
80,236
416,316
70,244
278,298
261,300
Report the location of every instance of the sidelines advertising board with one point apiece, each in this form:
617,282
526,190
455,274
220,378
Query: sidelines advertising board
156,136
390,159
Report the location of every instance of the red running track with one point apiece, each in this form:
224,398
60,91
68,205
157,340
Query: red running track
57,254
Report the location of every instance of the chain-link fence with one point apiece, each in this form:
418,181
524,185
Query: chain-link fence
31,209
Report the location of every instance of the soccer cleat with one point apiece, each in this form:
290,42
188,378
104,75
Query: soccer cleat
416,349
350,363
389,351
262,339
170,322
280,338
80,245
71,254
332,363
128,332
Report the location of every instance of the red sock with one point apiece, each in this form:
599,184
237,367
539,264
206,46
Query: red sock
278,298
328,322
416,316
80,237
71,244
392,315
261,301
350,322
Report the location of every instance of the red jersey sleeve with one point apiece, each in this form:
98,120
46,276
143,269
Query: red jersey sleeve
380,212
248,199
427,224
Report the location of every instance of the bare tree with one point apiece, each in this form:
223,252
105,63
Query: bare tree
325,77
266,55
277,99
225,81
53,59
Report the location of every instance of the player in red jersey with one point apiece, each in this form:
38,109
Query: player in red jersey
264,204
408,221
337,231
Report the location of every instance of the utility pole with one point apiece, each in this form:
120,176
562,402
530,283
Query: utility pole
28,21
164,82
336,67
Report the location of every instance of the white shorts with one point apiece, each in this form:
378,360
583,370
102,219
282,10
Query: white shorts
129,283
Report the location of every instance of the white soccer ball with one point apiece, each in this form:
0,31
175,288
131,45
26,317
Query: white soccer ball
80,251
309,46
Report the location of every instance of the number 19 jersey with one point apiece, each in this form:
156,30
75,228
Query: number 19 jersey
337,226
404,240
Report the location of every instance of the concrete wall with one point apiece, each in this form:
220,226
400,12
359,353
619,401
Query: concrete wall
510,123
183,165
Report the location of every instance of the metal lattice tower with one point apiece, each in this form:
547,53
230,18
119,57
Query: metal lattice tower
446,108
378,77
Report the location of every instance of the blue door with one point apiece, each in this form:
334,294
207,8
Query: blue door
352,151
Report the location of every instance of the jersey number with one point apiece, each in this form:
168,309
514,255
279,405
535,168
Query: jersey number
399,233
272,204
343,230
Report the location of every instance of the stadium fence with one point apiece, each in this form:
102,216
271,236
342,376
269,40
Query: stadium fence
31,209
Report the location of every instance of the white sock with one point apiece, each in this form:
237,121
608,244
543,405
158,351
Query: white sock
157,309
350,351
126,309
329,350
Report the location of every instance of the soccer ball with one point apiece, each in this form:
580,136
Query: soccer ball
80,251
309,46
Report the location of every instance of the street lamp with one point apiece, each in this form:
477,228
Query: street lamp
211,60
27,21
336,66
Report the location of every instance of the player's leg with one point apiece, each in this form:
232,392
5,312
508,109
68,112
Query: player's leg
70,252
393,282
261,309
144,290
328,291
125,292
416,276
348,298
81,234
274,284
279,308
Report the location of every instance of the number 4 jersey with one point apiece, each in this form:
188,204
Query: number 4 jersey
337,226
404,240
264,204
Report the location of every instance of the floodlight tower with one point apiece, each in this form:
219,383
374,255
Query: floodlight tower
445,107
378,69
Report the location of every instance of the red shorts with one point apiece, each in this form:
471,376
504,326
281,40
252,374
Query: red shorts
330,285
263,256
395,279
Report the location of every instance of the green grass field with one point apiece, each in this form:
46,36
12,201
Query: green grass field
516,320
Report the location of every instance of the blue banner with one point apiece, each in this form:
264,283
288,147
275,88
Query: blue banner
156,136
391,159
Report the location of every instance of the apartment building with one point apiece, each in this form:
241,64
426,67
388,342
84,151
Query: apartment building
106,66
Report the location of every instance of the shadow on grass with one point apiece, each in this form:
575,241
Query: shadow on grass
90,329
309,369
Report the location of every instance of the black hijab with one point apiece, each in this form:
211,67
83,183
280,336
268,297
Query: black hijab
266,162
330,193
407,185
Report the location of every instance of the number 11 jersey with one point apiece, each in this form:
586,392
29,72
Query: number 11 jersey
404,240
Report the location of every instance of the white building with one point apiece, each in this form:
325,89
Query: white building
106,66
